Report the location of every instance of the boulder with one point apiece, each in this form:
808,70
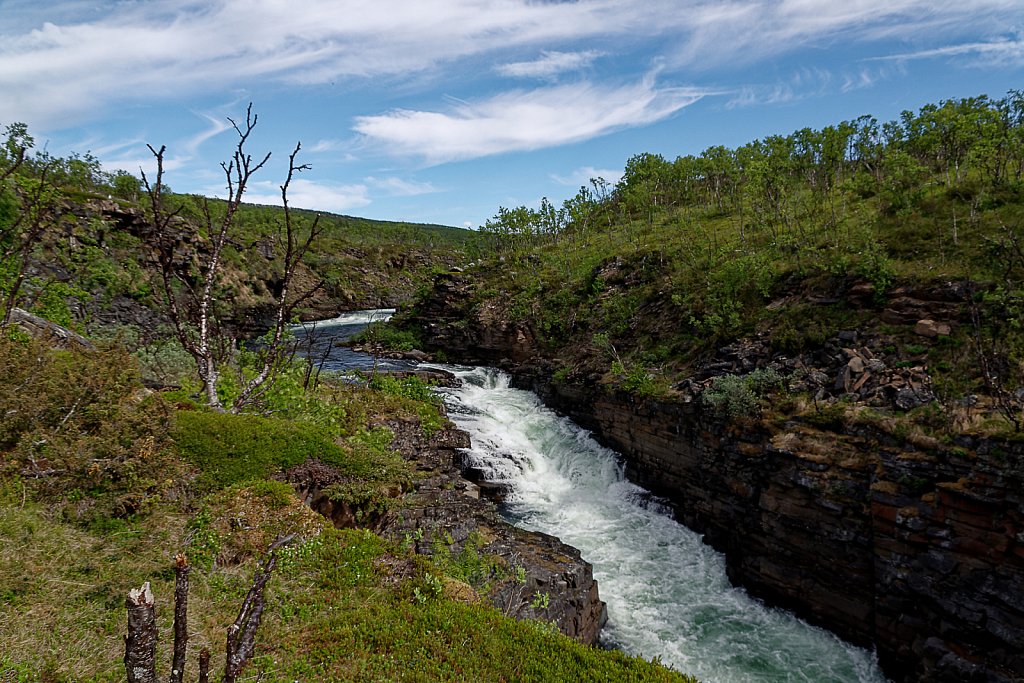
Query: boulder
931,329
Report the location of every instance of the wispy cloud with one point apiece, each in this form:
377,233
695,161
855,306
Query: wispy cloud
400,187
216,126
522,120
582,176
85,58
333,197
550,64
746,31
1006,52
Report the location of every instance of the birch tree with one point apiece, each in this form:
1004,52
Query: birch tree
190,301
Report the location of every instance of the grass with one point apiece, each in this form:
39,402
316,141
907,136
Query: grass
336,609
343,604
229,449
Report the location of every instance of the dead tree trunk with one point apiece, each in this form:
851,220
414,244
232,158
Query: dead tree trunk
181,570
242,634
140,644
204,666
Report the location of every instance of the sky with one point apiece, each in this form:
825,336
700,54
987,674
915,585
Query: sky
442,111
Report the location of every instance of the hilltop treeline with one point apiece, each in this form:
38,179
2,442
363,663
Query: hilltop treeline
788,240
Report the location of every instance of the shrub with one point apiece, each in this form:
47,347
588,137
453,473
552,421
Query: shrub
740,395
81,431
386,336
409,386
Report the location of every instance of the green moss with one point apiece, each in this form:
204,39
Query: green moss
230,449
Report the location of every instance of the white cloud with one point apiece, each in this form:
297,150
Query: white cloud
82,59
996,53
399,187
746,31
581,176
146,164
216,126
307,194
550,64
522,120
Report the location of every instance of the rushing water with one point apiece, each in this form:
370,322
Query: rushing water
317,340
667,593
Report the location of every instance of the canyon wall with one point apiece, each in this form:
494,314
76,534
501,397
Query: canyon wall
917,551
902,543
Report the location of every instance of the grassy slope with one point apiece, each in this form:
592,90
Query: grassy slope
638,304
87,513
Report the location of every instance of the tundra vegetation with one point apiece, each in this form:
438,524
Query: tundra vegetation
787,242
119,468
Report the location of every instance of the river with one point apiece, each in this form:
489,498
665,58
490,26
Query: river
667,592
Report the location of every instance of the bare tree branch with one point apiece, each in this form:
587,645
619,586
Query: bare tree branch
242,634
295,251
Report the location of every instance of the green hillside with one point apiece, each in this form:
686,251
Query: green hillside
784,242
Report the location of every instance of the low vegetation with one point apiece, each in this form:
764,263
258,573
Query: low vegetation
104,482
790,241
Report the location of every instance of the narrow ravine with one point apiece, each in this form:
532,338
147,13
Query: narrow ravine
667,592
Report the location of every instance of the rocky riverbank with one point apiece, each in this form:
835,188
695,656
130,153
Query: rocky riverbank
525,574
900,541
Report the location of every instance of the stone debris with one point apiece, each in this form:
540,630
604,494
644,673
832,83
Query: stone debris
931,329
838,370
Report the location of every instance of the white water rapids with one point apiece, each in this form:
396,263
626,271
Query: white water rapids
668,595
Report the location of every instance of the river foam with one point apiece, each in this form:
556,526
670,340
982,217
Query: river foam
667,592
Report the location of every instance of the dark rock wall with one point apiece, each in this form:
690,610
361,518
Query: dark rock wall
916,551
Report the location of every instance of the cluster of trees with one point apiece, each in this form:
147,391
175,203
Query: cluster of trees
974,145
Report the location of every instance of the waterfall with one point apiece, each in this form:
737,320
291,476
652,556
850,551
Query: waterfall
667,592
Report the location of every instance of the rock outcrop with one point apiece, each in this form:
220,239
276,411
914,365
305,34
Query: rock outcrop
55,335
530,575
915,549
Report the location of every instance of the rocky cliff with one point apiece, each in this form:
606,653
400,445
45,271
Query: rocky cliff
903,542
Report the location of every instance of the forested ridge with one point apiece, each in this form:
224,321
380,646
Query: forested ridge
784,241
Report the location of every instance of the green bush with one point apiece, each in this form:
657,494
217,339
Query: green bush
410,386
81,432
740,396
386,336
230,449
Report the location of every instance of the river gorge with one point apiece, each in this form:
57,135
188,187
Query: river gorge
668,593
909,545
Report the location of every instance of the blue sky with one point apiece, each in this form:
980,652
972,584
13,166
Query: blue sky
443,110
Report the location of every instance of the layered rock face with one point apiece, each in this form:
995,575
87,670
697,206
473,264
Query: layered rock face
905,544
917,551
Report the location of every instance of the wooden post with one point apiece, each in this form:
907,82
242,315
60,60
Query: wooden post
181,569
